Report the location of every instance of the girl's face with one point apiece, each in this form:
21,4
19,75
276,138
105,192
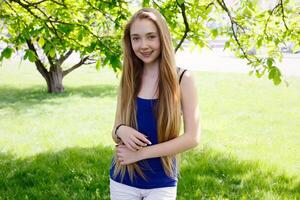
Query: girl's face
145,40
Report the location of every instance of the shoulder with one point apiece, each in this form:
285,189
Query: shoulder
188,88
185,77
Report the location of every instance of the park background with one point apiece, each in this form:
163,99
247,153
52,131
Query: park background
59,146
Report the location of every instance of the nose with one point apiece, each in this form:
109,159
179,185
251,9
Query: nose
144,44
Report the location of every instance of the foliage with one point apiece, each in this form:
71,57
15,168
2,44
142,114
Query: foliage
58,28
93,29
246,25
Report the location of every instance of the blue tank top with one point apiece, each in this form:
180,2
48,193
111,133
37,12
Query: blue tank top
152,168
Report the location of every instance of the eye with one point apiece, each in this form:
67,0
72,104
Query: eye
152,37
135,38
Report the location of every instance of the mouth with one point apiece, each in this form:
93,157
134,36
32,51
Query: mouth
146,54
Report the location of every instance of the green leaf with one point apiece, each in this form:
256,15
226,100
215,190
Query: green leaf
30,55
115,62
92,47
270,62
146,3
214,33
41,42
6,53
209,9
98,64
261,72
272,73
52,53
226,45
80,36
66,28
259,42
247,12
180,1
277,80
296,48
47,47
258,74
275,75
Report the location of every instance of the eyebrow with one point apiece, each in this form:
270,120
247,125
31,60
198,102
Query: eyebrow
135,34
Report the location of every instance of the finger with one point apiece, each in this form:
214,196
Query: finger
119,149
134,145
144,139
122,163
139,143
120,158
119,155
128,145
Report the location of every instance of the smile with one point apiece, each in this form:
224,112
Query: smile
147,54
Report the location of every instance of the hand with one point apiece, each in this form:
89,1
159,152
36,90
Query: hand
133,139
125,156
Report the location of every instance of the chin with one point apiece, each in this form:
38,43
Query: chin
149,61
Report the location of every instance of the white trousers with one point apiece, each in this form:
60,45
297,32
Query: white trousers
119,191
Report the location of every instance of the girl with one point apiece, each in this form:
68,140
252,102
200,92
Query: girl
152,95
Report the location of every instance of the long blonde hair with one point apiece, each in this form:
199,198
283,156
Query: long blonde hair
168,104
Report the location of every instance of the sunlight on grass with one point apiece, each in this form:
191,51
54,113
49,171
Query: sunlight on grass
250,145
81,173
251,118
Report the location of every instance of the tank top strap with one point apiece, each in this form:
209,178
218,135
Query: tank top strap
181,74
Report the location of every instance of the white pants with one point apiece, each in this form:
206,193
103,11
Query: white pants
119,191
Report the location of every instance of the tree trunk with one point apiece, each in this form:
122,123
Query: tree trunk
54,80
55,76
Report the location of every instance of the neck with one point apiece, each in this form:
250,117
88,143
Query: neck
151,69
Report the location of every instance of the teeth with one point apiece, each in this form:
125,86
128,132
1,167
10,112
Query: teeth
146,54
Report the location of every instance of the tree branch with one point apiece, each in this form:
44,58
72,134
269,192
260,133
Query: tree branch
157,4
95,8
266,24
61,4
208,5
52,21
80,63
86,28
280,4
233,22
42,1
26,7
39,65
186,24
36,3
16,14
283,16
64,57
48,19
50,60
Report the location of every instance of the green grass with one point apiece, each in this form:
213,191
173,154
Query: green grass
58,146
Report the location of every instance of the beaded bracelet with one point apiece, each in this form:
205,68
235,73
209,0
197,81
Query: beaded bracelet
117,130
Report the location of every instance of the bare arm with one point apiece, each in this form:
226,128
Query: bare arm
189,139
191,136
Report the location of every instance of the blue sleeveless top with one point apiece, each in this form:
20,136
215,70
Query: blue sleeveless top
152,168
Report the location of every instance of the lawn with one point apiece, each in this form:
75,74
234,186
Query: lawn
58,146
